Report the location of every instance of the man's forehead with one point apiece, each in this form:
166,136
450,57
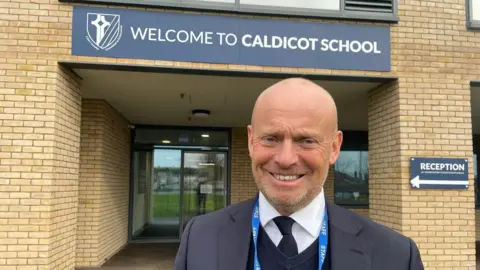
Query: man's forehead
293,94
272,126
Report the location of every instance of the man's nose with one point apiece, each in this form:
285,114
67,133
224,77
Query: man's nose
286,155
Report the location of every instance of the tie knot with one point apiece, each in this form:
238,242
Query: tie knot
284,224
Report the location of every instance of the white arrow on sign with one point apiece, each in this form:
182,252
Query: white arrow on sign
416,182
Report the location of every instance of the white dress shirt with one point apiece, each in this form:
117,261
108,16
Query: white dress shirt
307,224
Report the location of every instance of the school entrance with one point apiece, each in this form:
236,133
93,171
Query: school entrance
178,173
160,146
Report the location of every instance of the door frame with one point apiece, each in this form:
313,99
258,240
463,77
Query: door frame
228,150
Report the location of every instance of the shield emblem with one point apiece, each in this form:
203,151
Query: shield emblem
103,30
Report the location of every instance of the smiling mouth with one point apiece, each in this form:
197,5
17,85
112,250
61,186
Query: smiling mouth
286,177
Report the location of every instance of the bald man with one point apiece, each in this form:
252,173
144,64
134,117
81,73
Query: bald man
293,139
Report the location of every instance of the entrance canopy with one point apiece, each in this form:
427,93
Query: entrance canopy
162,98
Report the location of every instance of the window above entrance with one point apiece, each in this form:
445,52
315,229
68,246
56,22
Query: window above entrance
372,10
166,137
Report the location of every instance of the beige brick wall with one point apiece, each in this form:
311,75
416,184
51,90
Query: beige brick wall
433,54
411,119
104,183
65,173
114,200
39,154
90,175
242,184
385,184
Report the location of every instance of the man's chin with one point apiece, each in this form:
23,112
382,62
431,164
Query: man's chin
288,202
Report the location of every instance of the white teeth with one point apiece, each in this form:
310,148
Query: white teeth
286,177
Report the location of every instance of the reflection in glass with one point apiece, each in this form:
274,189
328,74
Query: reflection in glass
161,218
204,183
166,192
351,178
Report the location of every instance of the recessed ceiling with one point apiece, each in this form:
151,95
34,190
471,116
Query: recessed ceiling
168,99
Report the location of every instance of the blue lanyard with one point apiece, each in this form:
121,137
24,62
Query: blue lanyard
322,244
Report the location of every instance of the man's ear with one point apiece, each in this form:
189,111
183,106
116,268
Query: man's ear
336,146
250,139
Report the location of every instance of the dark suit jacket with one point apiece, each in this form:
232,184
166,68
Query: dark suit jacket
221,241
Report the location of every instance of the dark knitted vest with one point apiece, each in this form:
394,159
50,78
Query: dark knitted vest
271,258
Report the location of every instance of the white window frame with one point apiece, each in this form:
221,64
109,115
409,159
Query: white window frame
472,23
255,9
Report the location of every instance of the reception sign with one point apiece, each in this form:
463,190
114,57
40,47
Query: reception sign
445,173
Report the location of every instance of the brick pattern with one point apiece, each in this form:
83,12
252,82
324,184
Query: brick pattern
104,183
39,146
384,181
90,174
65,173
114,200
243,185
432,53
405,121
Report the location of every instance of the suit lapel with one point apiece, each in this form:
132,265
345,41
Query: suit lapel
346,249
234,238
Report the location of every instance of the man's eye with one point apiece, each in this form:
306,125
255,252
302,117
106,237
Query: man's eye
269,139
308,141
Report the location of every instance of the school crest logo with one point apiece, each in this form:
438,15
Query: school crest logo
103,30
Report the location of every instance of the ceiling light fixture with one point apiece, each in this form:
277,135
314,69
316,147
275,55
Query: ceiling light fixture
200,113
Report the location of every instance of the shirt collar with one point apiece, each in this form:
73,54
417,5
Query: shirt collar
310,217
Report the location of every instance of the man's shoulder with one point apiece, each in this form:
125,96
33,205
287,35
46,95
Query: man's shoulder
375,231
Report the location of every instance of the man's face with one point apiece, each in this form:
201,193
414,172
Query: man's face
291,151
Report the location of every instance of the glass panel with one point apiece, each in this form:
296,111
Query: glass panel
351,178
307,4
141,175
205,175
476,10
165,196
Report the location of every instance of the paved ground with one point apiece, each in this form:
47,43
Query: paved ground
142,257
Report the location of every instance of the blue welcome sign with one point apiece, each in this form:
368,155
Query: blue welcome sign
139,34
446,173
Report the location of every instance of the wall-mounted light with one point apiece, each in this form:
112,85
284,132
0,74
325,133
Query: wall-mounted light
200,113
205,135
165,141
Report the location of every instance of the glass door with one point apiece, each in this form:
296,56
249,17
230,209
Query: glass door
166,193
204,179
171,186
